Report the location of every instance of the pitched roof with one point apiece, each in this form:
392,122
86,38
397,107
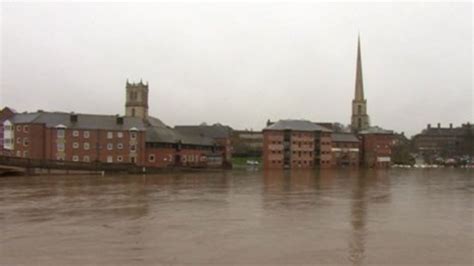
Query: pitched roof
156,130
293,124
375,130
213,131
344,137
84,121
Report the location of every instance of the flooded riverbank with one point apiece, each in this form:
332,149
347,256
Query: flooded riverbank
398,216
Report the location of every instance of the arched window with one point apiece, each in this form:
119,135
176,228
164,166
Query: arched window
133,112
359,122
359,109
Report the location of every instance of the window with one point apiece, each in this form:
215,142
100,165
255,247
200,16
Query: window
25,154
85,158
133,135
119,158
60,146
110,159
110,135
119,146
18,140
86,146
18,153
151,158
25,129
60,133
75,145
133,147
133,159
110,146
133,112
359,109
86,134
119,135
60,157
25,142
75,158
18,128
75,133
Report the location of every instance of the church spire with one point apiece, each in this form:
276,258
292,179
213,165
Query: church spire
359,84
360,118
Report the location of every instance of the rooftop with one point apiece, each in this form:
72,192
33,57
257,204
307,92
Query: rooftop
156,130
376,130
215,131
299,125
344,137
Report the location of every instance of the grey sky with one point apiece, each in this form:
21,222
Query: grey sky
240,64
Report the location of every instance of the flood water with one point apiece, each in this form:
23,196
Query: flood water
335,217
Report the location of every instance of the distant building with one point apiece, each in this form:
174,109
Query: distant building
360,118
296,144
219,133
445,141
376,146
345,150
247,142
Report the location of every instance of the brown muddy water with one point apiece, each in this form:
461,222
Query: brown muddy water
335,217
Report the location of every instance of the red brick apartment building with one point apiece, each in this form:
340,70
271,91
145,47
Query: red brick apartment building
296,144
376,144
345,150
135,138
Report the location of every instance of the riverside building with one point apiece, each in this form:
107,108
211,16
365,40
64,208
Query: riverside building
134,138
296,144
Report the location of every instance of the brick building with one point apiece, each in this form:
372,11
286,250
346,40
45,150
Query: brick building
445,141
135,138
296,144
218,133
376,146
345,150
76,137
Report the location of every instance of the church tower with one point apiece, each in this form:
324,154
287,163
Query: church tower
360,118
136,104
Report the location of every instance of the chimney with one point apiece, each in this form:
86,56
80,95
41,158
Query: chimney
451,125
119,120
439,125
429,126
73,118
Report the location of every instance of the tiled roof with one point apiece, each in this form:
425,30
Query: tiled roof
156,130
84,121
213,131
300,125
344,137
376,130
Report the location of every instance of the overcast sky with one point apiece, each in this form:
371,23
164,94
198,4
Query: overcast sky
241,64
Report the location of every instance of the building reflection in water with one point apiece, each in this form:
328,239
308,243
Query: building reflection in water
368,186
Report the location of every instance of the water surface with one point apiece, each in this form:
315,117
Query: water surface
240,217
